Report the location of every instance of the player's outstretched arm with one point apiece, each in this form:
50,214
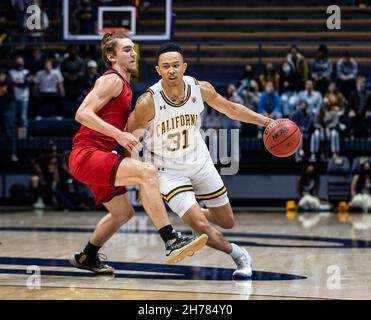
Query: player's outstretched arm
232,110
104,90
143,113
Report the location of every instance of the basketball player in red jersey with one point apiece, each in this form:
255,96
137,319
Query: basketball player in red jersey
103,115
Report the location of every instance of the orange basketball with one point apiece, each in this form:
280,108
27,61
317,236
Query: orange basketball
282,138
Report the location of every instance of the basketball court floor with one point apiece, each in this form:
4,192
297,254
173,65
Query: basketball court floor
305,256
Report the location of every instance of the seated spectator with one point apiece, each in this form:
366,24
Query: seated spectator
7,116
287,79
361,188
212,119
49,87
73,71
299,66
269,75
20,81
232,95
250,95
70,193
47,168
326,123
312,97
86,17
307,189
360,109
304,121
288,88
270,102
36,61
248,76
19,8
321,69
334,99
347,70
91,76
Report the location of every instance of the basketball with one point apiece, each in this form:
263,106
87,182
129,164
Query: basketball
282,138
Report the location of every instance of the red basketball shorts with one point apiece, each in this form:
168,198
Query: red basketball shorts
97,169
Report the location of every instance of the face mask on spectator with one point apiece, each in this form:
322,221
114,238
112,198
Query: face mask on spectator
19,66
286,69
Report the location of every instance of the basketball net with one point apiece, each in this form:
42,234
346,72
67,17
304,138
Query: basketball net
112,30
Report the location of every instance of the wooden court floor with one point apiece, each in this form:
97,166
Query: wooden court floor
296,256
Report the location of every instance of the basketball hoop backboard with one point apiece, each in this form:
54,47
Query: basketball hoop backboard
152,23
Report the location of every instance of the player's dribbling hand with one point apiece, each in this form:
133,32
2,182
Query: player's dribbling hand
128,141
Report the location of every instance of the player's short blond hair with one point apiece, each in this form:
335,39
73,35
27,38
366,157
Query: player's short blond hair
109,43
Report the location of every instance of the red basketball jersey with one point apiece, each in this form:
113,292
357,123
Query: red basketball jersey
115,112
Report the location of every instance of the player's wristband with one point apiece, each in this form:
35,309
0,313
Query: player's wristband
267,122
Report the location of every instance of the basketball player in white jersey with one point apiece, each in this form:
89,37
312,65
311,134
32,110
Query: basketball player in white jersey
170,112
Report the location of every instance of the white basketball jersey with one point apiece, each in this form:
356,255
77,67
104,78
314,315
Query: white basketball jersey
175,129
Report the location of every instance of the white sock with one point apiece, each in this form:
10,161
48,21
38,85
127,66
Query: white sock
236,251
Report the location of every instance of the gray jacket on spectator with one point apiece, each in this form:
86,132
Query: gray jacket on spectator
321,68
326,119
346,69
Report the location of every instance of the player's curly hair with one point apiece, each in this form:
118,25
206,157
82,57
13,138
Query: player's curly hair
108,45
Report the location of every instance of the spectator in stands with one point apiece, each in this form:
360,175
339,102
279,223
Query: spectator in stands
321,69
250,95
360,109
361,188
36,62
70,193
20,81
232,95
270,102
50,90
248,76
73,71
326,122
91,76
19,7
36,34
85,16
334,98
287,78
47,168
304,120
212,119
269,75
307,189
288,88
298,64
312,97
7,117
347,70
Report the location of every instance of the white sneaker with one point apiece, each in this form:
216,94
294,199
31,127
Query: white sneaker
244,266
39,204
